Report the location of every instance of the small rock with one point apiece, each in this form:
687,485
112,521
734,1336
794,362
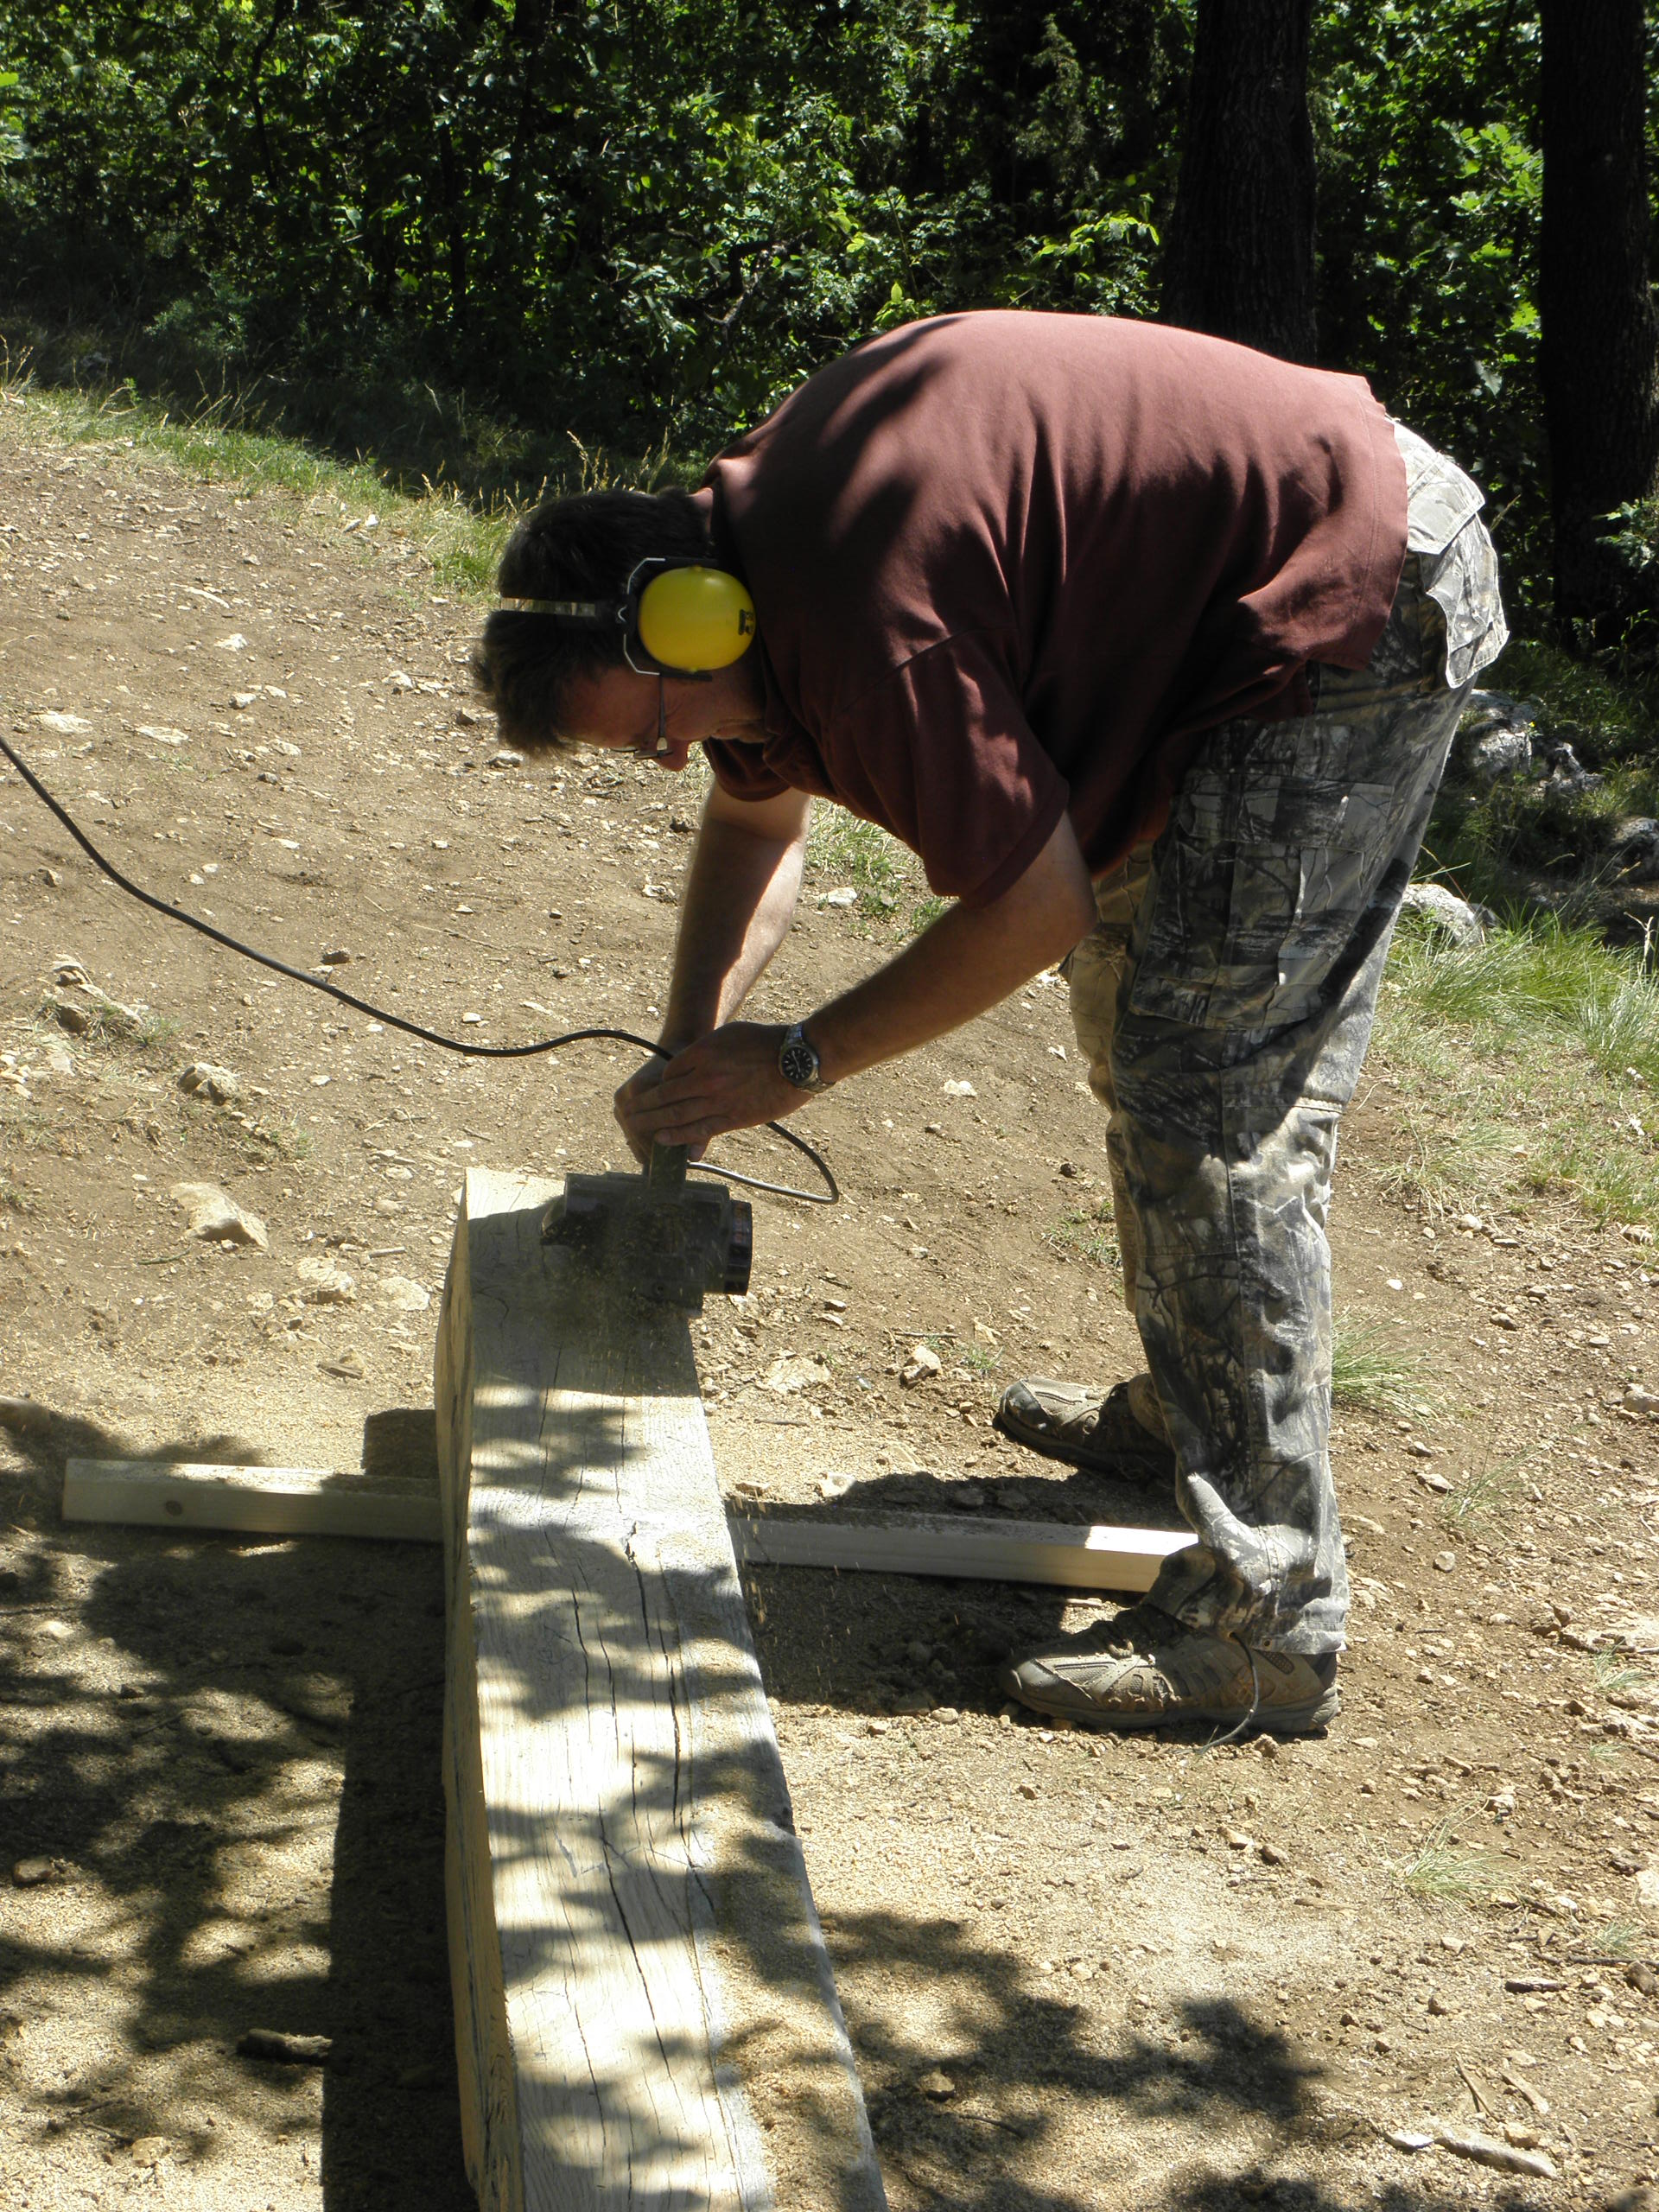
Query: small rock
1430,1479
327,1282
1647,1889
1567,772
240,699
946,1715
1272,1856
1462,923
1013,1498
1438,2006
222,1085
163,734
1634,853
337,958
1487,2151
284,2049
954,1090
1642,1976
936,2084
1411,2138
923,1363
35,1873
844,895
969,1496
52,877
403,1294
64,724
1445,1563
1029,1790
149,2150
795,1371
348,1367
506,759
1639,1399
831,1486
215,1216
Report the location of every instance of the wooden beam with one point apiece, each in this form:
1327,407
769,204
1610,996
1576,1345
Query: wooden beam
644,2010
1101,1558
310,1502
255,1501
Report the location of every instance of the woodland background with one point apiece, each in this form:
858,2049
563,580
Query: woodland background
455,235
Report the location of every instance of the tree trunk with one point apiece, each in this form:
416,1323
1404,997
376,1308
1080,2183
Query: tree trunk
1600,349
1240,262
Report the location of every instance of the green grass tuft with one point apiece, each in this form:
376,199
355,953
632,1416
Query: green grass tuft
1371,1372
1442,1867
1481,1496
1529,1062
1089,1234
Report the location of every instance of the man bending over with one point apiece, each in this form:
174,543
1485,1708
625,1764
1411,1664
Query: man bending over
1153,648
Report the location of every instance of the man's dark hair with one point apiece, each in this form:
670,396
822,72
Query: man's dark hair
581,548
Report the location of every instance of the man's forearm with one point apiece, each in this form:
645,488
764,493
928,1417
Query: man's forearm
966,962
740,896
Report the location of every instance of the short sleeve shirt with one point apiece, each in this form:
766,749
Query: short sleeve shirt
1008,565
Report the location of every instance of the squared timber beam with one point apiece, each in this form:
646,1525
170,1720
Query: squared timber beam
644,2010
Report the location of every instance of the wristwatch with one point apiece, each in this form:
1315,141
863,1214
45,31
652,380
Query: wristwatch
798,1060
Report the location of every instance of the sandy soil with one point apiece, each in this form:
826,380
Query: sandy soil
1077,1972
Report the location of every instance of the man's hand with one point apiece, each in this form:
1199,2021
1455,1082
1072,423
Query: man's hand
729,1079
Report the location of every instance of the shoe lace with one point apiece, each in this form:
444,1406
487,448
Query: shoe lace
1239,1726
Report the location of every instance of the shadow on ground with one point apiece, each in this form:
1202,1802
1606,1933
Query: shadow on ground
168,1745
235,1758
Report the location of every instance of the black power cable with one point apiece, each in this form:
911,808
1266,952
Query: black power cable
172,913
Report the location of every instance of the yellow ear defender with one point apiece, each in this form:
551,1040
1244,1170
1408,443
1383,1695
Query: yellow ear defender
693,620
678,617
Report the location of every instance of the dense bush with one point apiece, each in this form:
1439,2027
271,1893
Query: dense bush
643,222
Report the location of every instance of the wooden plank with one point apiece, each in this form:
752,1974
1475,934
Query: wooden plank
262,1501
311,1502
1100,1558
644,2012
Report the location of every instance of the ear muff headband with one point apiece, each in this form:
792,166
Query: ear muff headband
679,617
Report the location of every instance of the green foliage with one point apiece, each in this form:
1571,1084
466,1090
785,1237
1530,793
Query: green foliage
643,222
466,227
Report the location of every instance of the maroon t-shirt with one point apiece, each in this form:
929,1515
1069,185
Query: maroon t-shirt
1009,565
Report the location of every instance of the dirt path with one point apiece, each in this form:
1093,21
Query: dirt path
1077,1973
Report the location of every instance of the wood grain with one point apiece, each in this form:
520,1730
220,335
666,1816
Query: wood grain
644,2010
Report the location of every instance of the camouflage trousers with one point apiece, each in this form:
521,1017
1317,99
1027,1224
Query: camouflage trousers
1224,1003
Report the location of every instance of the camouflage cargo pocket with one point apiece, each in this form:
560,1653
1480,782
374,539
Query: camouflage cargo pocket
1265,870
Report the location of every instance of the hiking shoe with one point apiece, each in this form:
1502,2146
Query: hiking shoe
1105,1436
1146,1669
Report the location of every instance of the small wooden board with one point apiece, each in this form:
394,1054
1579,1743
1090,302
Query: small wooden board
311,1502
250,1500
644,2010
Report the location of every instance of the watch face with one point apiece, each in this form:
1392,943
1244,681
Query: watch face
799,1063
